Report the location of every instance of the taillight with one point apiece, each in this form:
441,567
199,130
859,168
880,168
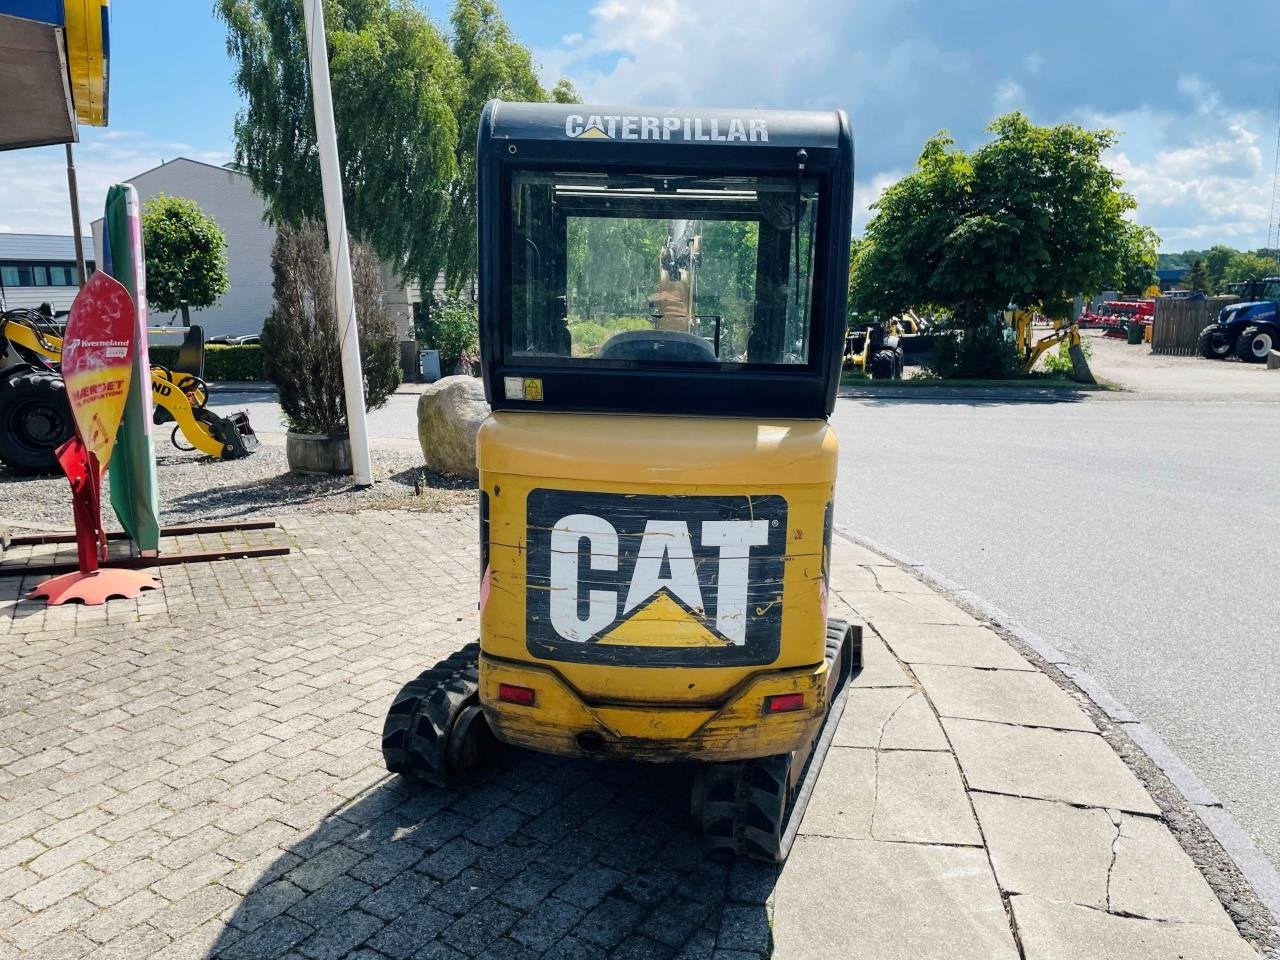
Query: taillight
510,693
784,703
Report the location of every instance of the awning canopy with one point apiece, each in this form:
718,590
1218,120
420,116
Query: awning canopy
53,70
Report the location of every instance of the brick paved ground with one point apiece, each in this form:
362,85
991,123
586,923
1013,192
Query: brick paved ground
197,774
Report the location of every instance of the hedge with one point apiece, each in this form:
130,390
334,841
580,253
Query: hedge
221,361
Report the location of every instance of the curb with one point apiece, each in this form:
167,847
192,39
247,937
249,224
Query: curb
1253,865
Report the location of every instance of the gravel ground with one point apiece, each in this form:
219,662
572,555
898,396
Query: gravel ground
195,487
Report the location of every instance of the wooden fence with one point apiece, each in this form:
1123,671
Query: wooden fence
1177,323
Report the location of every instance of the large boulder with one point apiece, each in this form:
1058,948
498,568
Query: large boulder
450,412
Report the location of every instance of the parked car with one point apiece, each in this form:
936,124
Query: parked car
240,340
1249,329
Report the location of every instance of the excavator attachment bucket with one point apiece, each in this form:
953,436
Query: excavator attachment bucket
233,432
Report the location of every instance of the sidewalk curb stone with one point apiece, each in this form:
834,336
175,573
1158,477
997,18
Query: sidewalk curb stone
1233,838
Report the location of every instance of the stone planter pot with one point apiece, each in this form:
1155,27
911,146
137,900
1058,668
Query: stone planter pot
327,453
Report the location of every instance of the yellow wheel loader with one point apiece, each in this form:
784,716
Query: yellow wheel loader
656,507
35,416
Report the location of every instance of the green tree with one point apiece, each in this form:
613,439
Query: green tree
395,85
1137,258
1031,218
1249,266
186,255
493,64
1198,277
1217,261
406,102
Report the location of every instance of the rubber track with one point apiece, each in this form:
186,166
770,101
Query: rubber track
416,731
745,807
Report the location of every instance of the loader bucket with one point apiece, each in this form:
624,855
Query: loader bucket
234,432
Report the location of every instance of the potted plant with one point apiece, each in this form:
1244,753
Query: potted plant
302,353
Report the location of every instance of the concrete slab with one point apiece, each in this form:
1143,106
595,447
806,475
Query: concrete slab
897,580
888,901
910,607
1048,849
879,667
1001,696
920,798
1153,877
1051,930
958,646
1067,765
889,718
914,727
844,797
845,552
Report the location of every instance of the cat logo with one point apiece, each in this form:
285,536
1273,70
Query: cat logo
655,580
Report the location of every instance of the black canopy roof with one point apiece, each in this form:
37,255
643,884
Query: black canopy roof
669,126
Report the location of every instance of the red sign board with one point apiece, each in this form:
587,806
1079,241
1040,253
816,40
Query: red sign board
97,362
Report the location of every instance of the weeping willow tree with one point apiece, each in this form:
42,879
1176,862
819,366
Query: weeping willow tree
406,102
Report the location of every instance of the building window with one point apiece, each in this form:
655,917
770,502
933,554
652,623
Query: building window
30,273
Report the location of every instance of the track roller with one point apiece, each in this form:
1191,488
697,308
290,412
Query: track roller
753,808
435,730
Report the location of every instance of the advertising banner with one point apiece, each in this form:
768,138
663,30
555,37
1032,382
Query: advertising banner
134,493
97,362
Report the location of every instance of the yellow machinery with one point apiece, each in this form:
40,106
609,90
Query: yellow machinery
656,510
877,348
35,418
1030,349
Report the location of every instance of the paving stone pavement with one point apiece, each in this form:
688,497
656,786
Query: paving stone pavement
196,774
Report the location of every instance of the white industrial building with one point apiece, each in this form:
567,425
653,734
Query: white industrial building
227,196
38,268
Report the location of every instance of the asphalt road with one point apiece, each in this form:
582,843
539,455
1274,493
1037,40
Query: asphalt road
1140,537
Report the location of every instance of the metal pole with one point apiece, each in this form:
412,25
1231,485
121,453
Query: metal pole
339,251
74,190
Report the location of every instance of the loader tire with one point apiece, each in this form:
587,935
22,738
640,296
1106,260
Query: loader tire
884,365
1210,346
434,730
741,807
35,419
1254,345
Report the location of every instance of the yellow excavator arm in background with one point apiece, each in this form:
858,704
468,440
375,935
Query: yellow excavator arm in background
181,396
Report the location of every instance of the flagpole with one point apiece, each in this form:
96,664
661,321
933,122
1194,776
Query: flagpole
339,251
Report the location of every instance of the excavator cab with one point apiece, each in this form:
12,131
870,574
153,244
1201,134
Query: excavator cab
662,307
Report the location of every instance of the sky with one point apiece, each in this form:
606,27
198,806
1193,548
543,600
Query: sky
1196,101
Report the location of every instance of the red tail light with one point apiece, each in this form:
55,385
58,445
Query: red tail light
510,693
784,703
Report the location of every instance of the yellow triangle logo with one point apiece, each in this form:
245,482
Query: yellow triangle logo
593,133
662,623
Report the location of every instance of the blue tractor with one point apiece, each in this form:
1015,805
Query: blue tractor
1249,329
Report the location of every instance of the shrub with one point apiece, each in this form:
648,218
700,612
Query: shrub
1058,362
974,353
221,361
303,357
452,327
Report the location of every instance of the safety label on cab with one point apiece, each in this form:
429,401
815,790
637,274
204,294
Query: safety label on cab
655,580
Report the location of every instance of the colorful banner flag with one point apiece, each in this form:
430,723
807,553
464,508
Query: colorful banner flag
133,469
97,362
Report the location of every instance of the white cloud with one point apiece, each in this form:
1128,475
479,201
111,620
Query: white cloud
1196,148
33,182
1197,183
865,193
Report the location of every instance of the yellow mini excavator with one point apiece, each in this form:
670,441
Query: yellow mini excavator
656,506
35,416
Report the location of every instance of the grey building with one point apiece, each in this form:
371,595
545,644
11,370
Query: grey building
227,196
38,268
